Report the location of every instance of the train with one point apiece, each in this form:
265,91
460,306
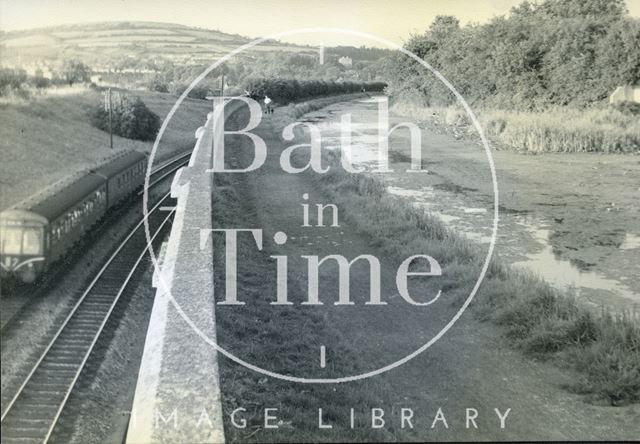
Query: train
38,232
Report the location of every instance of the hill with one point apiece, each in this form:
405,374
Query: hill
147,42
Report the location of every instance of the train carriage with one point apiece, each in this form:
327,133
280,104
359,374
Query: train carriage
38,234
71,212
33,235
124,175
22,243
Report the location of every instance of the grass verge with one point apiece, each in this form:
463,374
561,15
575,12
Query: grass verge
282,343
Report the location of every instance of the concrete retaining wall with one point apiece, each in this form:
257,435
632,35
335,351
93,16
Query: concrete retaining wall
177,397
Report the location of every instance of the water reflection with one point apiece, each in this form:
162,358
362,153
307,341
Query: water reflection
562,273
523,239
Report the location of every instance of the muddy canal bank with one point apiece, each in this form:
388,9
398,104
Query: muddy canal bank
571,218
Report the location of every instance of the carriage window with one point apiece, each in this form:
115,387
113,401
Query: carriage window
32,241
11,240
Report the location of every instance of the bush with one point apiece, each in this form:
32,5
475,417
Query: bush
628,108
41,82
198,92
11,80
158,86
131,119
285,91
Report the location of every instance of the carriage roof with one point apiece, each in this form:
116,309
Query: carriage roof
119,164
74,188
57,204
22,216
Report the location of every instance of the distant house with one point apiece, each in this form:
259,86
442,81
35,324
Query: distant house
345,61
625,93
44,72
96,78
38,70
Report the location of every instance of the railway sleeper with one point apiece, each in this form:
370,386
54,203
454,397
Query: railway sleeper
73,347
97,303
32,423
53,378
85,323
66,359
33,411
105,296
45,398
63,367
22,441
91,316
73,342
45,386
29,402
95,313
64,350
30,433
84,330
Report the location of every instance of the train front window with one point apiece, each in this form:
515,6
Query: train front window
11,240
32,241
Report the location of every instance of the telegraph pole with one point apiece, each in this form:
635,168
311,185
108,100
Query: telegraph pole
110,123
108,107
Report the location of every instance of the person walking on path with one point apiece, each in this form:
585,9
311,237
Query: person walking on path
267,104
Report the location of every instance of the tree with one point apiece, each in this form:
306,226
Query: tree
74,71
553,52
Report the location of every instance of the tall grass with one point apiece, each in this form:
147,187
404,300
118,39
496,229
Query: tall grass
566,130
537,319
559,130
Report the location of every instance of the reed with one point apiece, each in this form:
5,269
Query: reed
558,130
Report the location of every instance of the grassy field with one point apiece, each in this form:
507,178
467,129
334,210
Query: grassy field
561,130
48,137
118,40
537,319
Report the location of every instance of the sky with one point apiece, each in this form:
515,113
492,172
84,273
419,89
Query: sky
391,20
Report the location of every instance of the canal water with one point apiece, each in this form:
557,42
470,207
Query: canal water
523,237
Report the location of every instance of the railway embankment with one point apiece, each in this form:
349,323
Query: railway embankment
49,139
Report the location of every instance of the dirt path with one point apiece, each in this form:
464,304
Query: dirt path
469,368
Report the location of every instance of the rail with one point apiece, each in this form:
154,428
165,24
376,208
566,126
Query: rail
20,420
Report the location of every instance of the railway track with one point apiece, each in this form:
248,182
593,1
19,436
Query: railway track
167,168
13,305
35,409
